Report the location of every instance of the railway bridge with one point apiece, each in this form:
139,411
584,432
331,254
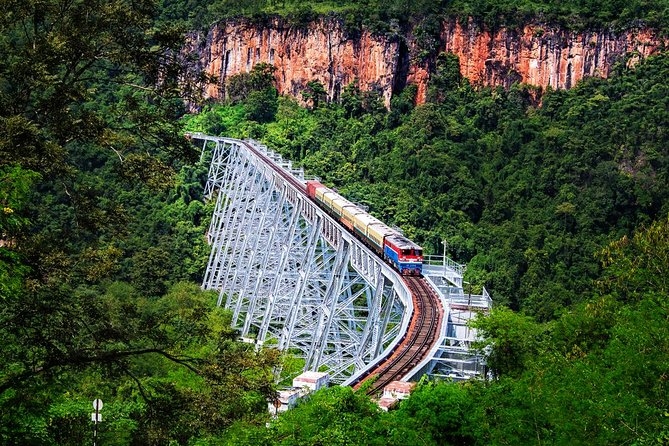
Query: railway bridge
296,279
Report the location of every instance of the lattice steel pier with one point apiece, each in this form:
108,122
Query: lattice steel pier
290,275
294,278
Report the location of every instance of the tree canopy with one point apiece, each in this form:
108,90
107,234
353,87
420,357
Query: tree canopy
384,16
559,208
101,228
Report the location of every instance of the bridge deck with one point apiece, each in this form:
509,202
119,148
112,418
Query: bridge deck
382,338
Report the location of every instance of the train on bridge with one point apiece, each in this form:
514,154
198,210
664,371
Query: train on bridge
403,254
424,326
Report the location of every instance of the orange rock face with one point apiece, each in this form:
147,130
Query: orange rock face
542,56
320,52
537,55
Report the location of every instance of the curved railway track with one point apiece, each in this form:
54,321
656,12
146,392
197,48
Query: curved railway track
423,329
423,332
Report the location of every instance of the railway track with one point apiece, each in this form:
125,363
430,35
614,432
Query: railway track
422,333
424,326
285,175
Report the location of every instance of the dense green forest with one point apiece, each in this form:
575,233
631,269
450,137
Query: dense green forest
560,209
102,239
526,196
384,16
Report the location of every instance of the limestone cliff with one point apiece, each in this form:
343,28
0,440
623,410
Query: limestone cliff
537,55
321,51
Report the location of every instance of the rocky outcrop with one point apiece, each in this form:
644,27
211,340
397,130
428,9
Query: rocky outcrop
538,55
320,51
542,56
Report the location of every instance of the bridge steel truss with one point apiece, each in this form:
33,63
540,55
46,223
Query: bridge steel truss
292,276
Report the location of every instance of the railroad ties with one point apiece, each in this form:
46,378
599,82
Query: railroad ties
421,336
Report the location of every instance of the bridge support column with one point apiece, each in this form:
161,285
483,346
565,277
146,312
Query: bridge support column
291,275
305,271
328,308
283,270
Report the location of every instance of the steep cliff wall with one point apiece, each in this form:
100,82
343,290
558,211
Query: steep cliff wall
321,51
537,55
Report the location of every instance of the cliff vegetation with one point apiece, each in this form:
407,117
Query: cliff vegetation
380,14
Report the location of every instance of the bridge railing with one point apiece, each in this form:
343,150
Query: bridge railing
330,320
446,262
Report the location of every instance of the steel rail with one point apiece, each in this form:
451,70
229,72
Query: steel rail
424,324
422,334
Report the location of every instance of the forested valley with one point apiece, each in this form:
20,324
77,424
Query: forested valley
558,203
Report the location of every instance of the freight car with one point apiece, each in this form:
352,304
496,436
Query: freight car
399,251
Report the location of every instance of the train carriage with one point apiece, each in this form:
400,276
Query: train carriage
371,230
378,232
402,253
338,205
349,215
334,202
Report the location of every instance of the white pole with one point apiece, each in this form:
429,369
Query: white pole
444,242
97,405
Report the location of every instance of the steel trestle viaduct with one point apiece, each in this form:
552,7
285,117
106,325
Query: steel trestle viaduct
295,279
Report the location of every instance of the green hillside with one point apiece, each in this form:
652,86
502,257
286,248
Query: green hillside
379,15
560,209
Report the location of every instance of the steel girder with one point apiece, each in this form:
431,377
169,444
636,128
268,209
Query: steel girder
289,273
